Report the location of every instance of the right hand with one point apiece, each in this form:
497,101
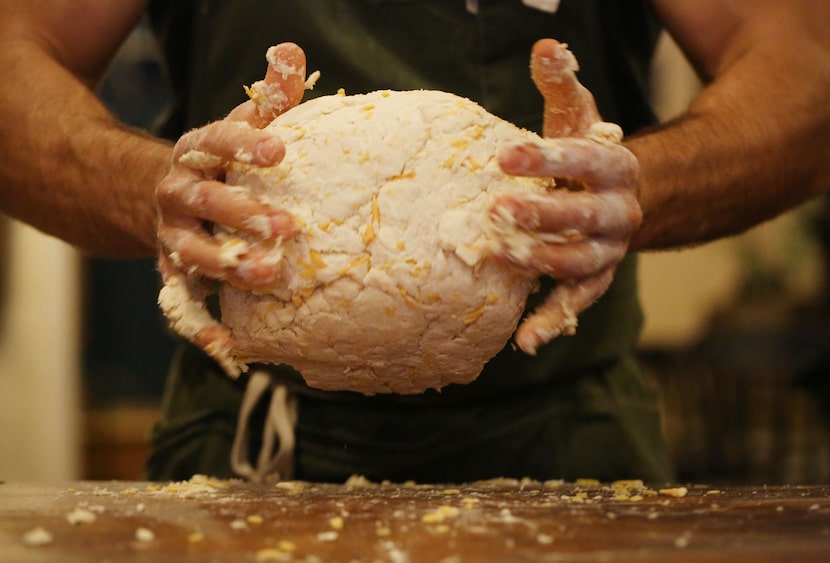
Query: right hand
193,195
580,234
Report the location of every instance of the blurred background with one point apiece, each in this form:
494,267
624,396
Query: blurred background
737,335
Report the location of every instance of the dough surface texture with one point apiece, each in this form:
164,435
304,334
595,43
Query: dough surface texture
390,284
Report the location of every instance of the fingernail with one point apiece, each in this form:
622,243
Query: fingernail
514,158
257,272
268,152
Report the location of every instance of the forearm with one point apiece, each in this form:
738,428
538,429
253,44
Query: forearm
69,168
753,144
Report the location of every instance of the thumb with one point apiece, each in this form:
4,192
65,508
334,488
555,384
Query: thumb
283,85
570,109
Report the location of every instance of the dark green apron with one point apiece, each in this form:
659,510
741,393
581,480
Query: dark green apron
580,408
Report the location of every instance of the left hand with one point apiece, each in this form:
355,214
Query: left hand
581,230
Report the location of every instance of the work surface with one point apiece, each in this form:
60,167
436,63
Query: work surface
501,520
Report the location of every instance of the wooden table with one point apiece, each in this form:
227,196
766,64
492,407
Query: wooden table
502,520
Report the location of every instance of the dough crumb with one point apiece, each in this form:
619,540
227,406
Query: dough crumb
37,537
80,516
677,492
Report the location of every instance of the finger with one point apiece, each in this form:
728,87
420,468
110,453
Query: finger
287,71
570,109
186,195
220,142
167,267
229,259
558,314
612,214
182,298
283,85
596,164
579,259
246,111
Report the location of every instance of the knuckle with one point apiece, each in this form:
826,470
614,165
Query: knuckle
166,190
169,237
635,217
187,142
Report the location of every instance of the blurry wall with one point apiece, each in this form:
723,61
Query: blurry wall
39,356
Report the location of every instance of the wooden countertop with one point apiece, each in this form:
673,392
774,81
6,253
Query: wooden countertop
501,520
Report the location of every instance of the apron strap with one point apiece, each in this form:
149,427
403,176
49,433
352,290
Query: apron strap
279,426
549,6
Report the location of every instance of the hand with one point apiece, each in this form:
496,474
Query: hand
193,196
193,192
580,231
